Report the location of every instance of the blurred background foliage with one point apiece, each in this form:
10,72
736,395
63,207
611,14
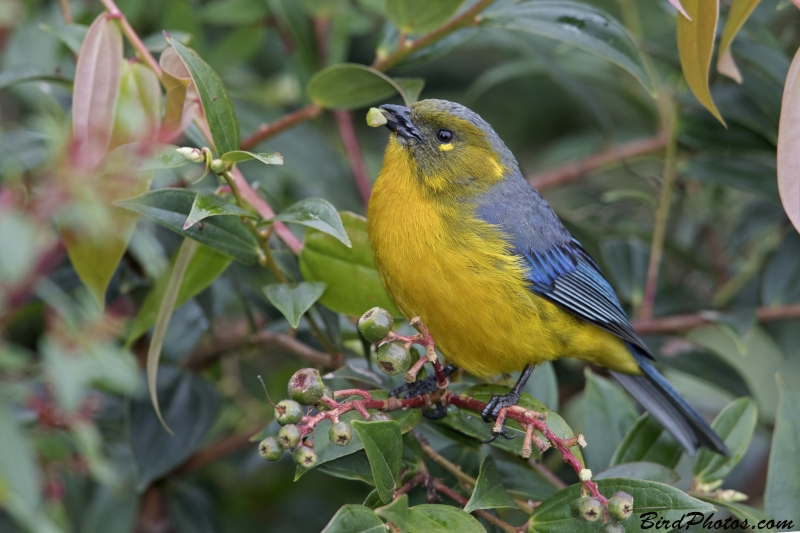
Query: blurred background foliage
81,448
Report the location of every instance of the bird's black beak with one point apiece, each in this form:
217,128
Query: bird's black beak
399,121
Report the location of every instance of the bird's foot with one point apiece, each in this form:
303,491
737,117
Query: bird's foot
496,410
425,386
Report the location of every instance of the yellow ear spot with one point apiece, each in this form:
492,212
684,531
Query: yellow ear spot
446,147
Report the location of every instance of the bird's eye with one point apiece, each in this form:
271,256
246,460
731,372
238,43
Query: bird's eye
444,136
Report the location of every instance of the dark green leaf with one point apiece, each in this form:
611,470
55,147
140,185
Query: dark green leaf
432,518
355,519
353,466
520,479
171,207
735,425
352,279
608,414
783,474
489,492
577,24
412,87
740,511
23,73
294,300
554,516
383,443
543,386
318,214
420,16
233,12
190,406
395,512
351,86
205,266
749,174
207,204
640,470
217,105
470,422
110,512
648,441
391,37
237,156
192,509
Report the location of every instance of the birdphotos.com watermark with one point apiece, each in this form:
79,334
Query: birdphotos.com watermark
652,521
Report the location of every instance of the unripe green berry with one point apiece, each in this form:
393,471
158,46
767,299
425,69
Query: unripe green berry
270,449
305,456
375,324
620,506
375,117
586,509
288,412
612,527
289,435
340,434
306,387
394,358
217,165
378,416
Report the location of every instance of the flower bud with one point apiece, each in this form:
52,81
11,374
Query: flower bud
586,509
192,154
620,506
375,324
340,434
270,449
394,358
612,527
289,435
378,416
288,412
375,117
305,456
306,387
217,165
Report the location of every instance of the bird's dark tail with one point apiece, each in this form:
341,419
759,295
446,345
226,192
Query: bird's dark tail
661,399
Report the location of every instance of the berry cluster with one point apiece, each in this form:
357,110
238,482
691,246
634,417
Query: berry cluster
618,509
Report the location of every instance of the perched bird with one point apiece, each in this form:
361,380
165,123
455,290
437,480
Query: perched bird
464,242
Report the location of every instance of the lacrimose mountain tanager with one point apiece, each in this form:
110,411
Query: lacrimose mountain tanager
464,242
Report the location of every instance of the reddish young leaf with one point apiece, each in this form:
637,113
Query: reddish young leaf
178,108
94,95
789,144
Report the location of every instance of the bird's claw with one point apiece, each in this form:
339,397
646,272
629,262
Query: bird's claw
438,411
421,386
502,433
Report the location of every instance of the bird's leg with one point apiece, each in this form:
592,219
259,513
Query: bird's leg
428,385
497,403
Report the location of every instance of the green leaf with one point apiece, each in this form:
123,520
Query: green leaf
640,470
294,300
668,503
353,466
190,407
470,423
383,443
735,425
543,386
171,207
395,512
110,512
522,480
489,492
788,140
318,214
420,16
144,156
23,73
577,24
205,266
185,254
95,91
352,279
695,46
217,105
432,518
783,474
208,204
737,15
355,519
71,35
412,87
18,472
740,511
351,86
647,441
608,414
237,156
